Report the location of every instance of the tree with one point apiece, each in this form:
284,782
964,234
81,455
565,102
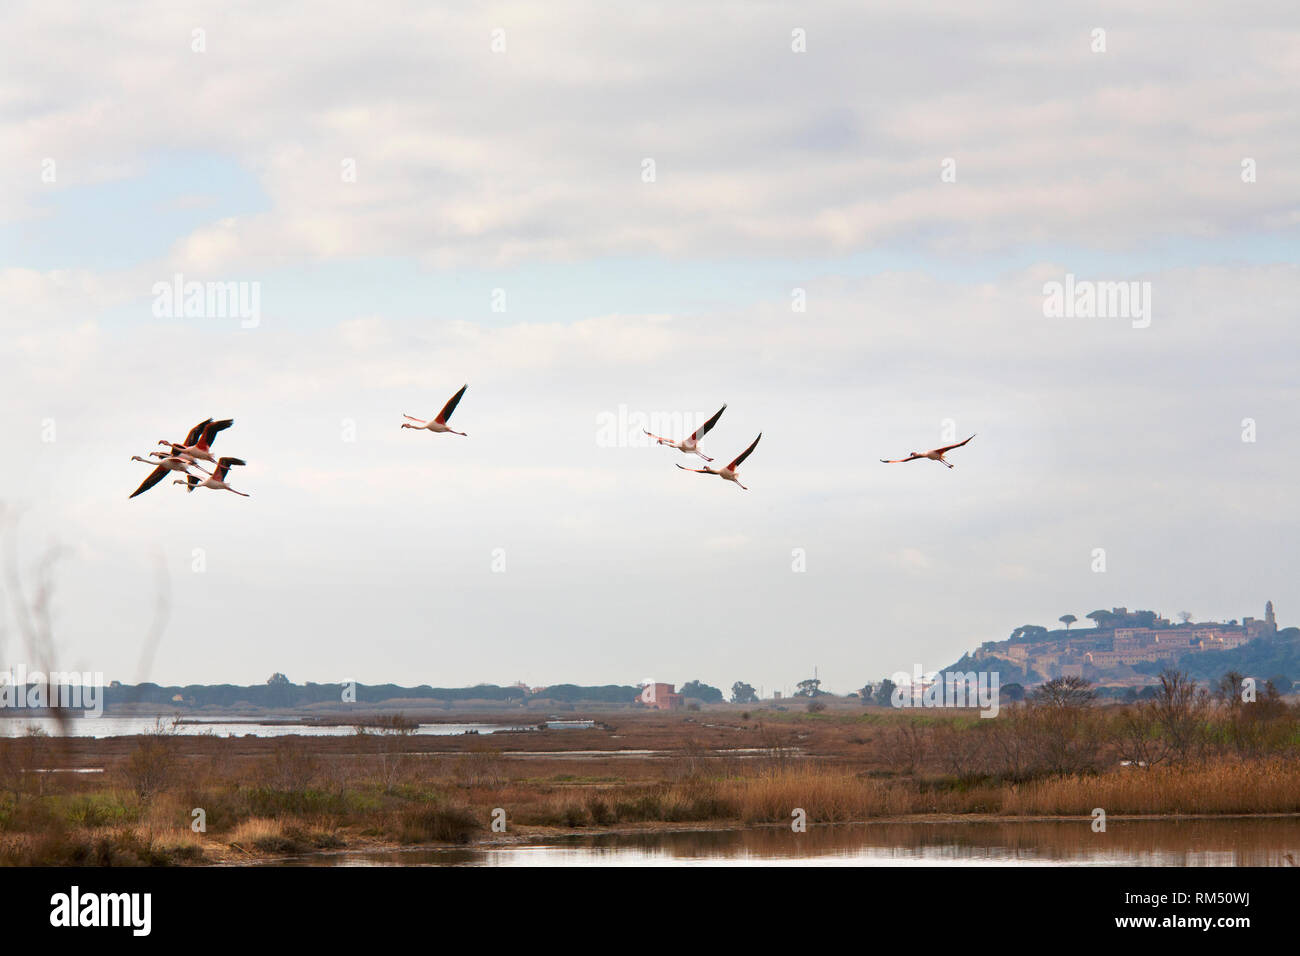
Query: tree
710,695
1067,620
1062,726
1065,692
1171,725
885,693
1227,690
1101,618
1013,692
809,688
1185,616
278,690
742,693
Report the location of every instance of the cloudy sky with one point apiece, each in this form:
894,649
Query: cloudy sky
603,215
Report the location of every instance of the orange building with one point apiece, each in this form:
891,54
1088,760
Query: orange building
660,697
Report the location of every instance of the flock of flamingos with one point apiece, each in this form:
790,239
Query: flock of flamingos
180,457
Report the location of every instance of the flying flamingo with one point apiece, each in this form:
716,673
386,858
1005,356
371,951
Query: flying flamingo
198,443
439,424
217,480
166,462
727,472
691,445
934,454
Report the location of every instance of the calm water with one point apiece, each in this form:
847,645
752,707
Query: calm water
224,727
1232,842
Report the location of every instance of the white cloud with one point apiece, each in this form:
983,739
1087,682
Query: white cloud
470,157
370,559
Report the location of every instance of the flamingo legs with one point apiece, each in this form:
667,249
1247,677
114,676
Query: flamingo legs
215,487
429,426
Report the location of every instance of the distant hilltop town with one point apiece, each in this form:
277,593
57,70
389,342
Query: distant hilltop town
1124,647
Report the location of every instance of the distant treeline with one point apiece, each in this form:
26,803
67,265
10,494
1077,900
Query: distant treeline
281,693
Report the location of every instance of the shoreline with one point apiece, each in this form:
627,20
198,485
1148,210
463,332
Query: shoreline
551,836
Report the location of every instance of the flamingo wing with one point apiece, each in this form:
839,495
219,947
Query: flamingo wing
707,426
948,448
155,476
450,406
195,432
745,454
223,467
210,433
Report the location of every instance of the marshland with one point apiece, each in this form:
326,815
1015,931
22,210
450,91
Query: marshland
165,798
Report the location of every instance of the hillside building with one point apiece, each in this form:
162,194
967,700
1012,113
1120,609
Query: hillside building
1108,648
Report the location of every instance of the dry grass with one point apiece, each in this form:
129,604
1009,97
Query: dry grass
98,846
825,795
432,823
179,843
830,795
256,832
1271,786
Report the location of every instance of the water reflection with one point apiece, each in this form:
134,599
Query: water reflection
1218,842
224,727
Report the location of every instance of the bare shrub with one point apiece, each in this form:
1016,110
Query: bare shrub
430,822
148,768
907,742
962,751
292,767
